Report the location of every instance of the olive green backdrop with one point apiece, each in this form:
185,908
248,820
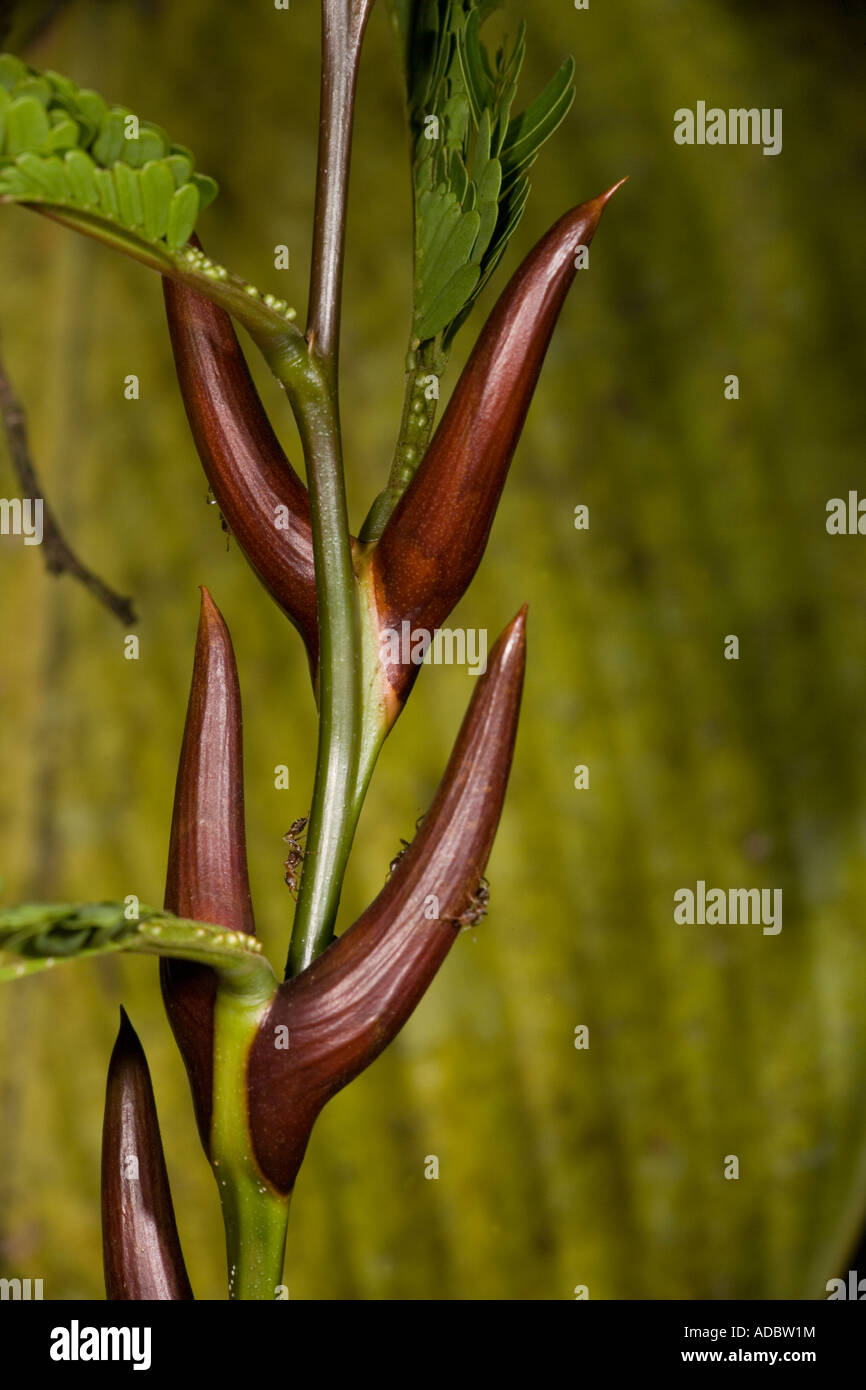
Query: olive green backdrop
558,1167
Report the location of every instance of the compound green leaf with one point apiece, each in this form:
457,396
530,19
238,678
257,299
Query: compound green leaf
36,936
481,154
143,183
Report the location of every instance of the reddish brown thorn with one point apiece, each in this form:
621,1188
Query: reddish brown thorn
140,1245
261,497
432,545
207,864
348,1005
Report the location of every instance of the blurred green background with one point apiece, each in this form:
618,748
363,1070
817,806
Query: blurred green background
558,1167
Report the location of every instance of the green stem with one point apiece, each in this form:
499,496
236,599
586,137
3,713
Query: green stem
332,818
255,1216
416,429
315,400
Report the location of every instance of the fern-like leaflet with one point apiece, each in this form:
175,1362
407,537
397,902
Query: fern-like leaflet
63,147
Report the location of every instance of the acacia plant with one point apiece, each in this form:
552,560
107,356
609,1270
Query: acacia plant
264,1054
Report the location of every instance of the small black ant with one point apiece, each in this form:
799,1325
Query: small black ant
477,908
405,843
296,853
397,857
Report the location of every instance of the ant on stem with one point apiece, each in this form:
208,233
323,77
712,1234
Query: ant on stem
295,855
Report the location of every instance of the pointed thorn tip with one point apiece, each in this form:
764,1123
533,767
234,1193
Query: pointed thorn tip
605,197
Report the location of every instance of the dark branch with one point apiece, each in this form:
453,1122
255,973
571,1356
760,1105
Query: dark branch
58,556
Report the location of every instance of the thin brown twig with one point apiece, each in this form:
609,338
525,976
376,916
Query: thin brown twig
58,555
